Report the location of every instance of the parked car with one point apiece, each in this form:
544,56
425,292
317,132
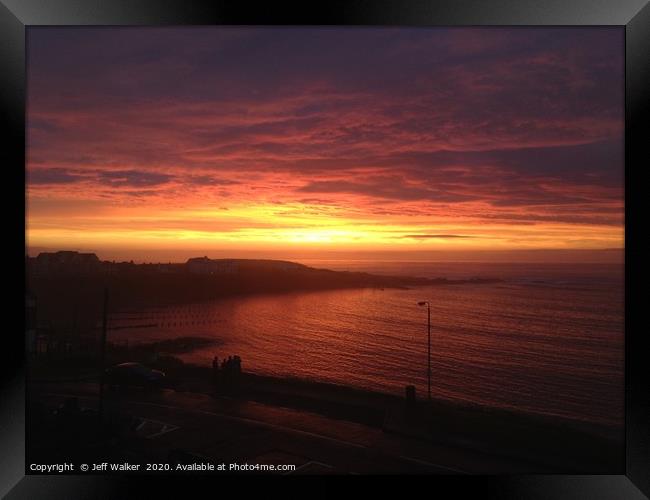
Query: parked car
134,374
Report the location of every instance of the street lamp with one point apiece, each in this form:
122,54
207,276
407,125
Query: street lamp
102,376
425,303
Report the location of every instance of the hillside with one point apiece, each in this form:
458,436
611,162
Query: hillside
72,295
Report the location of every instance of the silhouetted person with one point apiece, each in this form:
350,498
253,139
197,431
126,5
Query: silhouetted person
225,367
215,370
410,398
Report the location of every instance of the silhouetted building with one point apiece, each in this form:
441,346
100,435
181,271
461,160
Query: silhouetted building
165,268
66,261
203,265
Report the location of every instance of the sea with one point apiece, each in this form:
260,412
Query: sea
548,339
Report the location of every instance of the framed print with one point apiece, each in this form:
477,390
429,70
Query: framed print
359,239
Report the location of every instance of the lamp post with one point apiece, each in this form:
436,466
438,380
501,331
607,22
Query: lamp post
102,376
425,303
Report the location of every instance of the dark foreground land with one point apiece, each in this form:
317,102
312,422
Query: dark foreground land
321,428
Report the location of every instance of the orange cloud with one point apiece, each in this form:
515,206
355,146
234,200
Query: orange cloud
354,139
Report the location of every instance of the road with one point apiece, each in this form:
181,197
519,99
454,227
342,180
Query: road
229,430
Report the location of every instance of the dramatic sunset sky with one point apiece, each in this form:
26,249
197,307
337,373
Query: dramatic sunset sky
165,143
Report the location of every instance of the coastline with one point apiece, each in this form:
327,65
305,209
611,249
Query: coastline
133,286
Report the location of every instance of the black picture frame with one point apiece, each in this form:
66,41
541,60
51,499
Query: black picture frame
633,15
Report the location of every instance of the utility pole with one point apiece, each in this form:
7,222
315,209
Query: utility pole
426,303
102,375
429,349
